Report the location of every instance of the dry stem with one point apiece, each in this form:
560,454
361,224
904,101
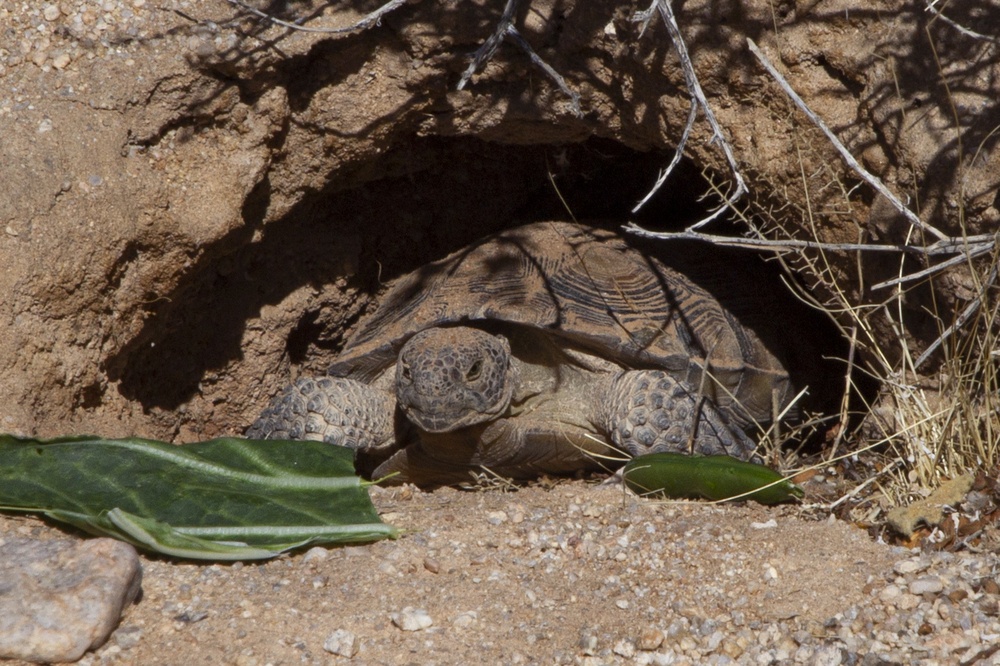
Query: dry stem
374,18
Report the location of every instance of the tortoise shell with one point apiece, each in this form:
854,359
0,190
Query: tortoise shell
599,295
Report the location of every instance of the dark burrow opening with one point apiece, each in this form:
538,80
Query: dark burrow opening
420,201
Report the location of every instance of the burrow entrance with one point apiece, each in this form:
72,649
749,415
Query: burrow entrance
268,302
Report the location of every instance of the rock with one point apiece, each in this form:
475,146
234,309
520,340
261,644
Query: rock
411,619
930,511
60,598
890,593
926,585
316,554
905,567
465,619
342,643
650,639
624,648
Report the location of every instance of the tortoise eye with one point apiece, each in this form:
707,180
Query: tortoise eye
474,371
405,373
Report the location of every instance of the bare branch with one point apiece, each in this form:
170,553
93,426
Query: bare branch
374,18
979,244
505,29
698,99
853,163
970,253
678,154
969,310
574,96
957,26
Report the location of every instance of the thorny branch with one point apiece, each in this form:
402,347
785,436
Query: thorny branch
971,246
678,154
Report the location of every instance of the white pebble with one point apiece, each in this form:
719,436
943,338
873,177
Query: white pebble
926,585
342,643
908,566
465,619
624,648
315,554
411,619
890,593
496,517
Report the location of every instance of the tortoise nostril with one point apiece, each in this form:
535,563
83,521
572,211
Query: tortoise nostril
474,371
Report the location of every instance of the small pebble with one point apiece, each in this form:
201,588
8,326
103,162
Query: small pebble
316,554
465,620
890,593
411,619
908,567
342,643
650,639
624,648
926,585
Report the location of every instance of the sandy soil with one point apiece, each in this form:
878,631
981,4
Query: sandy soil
541,575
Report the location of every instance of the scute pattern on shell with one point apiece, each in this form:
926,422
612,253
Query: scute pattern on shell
592,288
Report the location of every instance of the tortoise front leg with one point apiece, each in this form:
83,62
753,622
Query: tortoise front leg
339,411
649,411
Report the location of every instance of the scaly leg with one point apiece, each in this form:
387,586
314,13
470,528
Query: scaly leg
339,411
649,411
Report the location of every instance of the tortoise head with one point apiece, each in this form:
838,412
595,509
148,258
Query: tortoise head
450,378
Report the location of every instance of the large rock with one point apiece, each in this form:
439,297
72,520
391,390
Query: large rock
60,598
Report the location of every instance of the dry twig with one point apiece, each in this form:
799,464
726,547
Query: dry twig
853,163
505,29
374,18
969,310
967,248
698,100
957,26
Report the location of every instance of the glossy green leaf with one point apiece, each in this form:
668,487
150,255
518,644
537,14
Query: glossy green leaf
678,476
223,499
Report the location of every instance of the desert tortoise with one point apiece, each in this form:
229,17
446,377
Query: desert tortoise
531,351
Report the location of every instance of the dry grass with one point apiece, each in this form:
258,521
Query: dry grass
936,416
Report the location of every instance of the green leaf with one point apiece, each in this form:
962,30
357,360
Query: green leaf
676,475
223,499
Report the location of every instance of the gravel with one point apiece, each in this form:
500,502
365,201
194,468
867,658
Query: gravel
582,577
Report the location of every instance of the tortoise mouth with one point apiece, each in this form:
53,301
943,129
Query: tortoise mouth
438,422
